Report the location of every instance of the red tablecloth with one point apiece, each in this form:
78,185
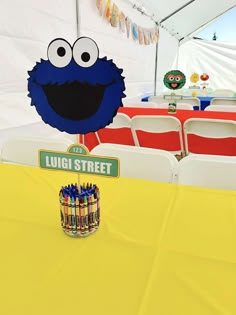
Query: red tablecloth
170,140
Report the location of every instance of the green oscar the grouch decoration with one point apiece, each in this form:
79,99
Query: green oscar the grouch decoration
174,79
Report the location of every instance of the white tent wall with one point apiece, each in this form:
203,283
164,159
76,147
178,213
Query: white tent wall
137,61
217,59
167,53
26,29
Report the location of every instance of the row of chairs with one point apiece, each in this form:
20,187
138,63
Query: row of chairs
161,105
218,107
160,99
223,103
137,162
208,128
159,165
185,106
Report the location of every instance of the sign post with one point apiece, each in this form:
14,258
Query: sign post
77,159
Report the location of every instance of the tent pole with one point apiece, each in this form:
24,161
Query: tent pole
77,18
155,78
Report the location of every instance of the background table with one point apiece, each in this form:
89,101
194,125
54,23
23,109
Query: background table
204,100
168,141
170,251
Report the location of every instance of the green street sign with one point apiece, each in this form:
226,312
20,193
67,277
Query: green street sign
77,159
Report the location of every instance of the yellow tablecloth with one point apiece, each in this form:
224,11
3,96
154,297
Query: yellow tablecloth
161,249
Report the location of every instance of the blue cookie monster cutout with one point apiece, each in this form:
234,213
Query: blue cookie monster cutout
74,90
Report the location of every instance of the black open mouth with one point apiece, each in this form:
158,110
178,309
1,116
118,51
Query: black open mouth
75,101
174,85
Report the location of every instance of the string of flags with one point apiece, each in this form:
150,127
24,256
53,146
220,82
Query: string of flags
111,12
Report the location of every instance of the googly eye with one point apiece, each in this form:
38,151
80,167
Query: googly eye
171,78
177,79
59,53
85,52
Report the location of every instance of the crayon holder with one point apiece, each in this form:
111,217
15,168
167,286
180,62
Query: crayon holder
79,210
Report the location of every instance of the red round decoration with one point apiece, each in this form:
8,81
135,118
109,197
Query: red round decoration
204,77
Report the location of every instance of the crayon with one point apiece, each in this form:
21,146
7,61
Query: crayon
81,214
62,210
98,207
94,208
69,213
90,214
66,212
61,192
77,214
73,215
85,201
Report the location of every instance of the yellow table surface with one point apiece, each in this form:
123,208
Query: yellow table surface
161,249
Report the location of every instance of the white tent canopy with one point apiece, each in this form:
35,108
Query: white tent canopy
27,27
183,17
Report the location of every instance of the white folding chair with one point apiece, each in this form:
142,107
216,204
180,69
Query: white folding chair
194,101
156,99
181,106
210,171
208,128
141,104
24,150
119,121
157,124
142,163
223,92
223,101
221,108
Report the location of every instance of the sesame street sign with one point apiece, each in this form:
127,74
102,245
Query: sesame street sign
77,159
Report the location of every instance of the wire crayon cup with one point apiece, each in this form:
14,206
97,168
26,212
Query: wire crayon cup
79,209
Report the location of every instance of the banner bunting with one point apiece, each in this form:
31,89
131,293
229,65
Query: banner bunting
116,18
